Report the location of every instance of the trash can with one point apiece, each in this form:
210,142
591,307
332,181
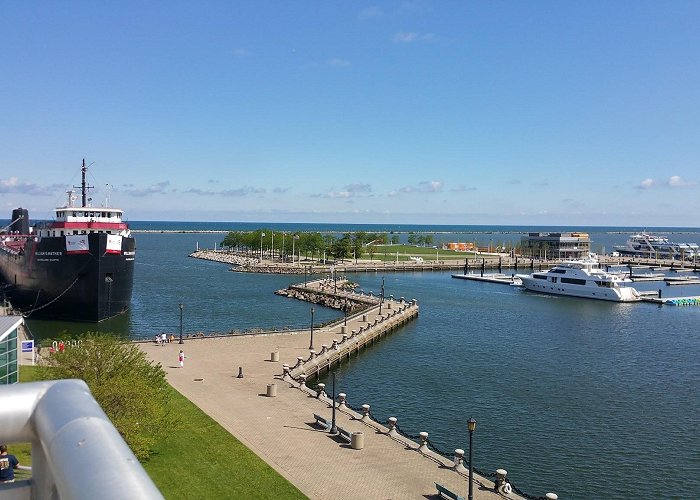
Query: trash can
357,440
271,390
275,356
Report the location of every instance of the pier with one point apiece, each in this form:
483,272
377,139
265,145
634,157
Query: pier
258,387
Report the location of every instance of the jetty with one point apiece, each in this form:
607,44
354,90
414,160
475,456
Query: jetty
259,387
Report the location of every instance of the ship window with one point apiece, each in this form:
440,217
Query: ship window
62,233
539,276
75,232
558,271
573,281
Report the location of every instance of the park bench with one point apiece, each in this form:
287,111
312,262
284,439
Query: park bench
343,434
445,493
322,421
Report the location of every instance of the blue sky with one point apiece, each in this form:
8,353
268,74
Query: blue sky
455,112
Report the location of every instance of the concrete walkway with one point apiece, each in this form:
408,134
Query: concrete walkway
281,429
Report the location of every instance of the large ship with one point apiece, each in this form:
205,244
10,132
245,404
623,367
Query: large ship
652,246
78,267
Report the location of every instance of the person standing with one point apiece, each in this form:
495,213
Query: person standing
181,358
163,338
8,464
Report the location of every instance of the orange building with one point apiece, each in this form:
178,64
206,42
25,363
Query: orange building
461,247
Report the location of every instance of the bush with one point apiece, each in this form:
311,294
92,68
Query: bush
131,390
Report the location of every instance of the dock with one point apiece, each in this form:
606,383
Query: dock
271,407
504,279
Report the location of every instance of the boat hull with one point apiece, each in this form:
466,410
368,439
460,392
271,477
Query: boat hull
611,295
45,280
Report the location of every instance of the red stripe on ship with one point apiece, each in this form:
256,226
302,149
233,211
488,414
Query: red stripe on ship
71,252
88,225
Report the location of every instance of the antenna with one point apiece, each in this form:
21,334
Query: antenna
84,186
108,189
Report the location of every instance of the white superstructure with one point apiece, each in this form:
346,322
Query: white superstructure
657,247
580,278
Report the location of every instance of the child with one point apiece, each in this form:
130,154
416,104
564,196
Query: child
181,358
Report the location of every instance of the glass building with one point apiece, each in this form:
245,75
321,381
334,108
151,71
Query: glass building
9,349
556,245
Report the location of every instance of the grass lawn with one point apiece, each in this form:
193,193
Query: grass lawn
388,253
198,459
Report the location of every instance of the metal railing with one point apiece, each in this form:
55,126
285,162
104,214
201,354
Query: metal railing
76,451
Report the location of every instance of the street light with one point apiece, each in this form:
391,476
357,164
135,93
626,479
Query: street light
272,247
381,298
471,425
182,306
311,344
294,239
345,310
261,237
334,429
282,253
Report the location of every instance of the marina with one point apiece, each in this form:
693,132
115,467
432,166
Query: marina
534,348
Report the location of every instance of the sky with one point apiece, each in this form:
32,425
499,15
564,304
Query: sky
427,112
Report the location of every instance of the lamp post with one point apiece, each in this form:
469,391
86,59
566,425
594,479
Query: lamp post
334,429
345,310
311,344
261,237
182,306
381,298
272,247
471,425
282,253
295,237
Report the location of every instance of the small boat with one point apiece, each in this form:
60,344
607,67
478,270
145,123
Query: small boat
581,278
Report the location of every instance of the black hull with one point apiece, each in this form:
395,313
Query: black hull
44,281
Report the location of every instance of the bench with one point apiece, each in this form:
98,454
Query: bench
343,434
445,493
322,421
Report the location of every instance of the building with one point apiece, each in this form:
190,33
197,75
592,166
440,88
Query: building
556,245
9,349
460,247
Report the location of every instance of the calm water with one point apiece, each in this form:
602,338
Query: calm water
584,398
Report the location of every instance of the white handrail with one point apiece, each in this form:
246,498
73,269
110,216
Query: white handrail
76,451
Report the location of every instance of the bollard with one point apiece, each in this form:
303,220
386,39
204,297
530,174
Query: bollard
500,479
335,345
312,354
300,361
551,496
388,305
365,413
392,427
364,318
343,329
321,391
423,448
285,371
459,461
324,349
275,356
271,390
357,440
341,401
240,372
302,380
345,337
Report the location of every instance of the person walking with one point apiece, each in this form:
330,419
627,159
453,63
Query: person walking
163,339
8,464
181,358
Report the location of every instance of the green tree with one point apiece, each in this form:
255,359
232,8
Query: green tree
412,238
131,390
395,239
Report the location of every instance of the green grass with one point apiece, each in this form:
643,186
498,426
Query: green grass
388,253
198,458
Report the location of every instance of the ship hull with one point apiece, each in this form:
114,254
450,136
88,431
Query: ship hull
45,280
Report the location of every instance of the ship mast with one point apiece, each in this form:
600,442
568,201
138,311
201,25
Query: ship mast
83,186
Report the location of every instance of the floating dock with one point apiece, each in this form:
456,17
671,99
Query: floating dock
503,279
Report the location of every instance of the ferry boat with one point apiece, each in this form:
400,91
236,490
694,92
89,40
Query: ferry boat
78,267
581,278
657,247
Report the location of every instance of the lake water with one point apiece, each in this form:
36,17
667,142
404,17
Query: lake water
585,398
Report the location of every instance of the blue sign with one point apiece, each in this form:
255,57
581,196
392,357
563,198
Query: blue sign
27,346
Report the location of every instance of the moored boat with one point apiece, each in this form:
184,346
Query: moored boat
657,247
78,267
581,278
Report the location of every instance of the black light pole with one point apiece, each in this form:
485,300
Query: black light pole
381,298
471,425
345,310
182,306
334,429
311,345
304,275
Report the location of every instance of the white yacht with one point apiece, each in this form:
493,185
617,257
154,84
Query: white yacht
657,247
581,278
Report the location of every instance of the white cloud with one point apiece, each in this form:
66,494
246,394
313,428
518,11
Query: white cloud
646,184
337,63
677,181
13,185
371,13
410,37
